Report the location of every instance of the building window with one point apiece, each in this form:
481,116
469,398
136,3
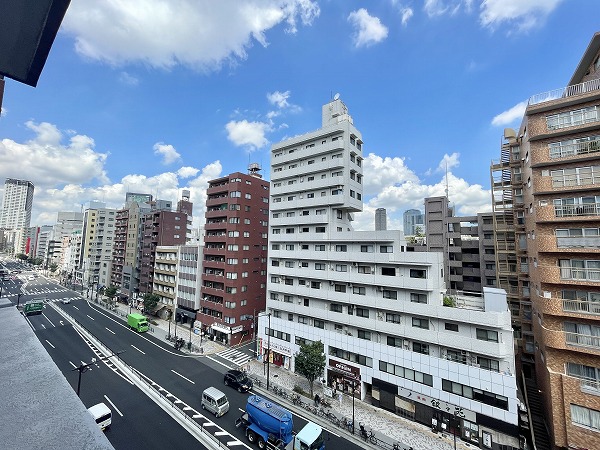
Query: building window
418,347
359,290
392,318
335,307
362,312
364,269
585,416
418,273
341,248
386,249
319,323
320,248
366,335
393,295
451,326
418,298
315,284
319,229
319,266
388,271
366,248
403,372
340,288
488,364
487,335
303,320
420,323
489,398
341,268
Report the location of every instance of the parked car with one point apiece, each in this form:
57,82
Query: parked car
31,277
237,380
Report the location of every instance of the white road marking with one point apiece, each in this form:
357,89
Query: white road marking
221,433
113,405
76,307
50,344
90,317
43,326
111,331
187,379
234,443
49,320
74,366
138,349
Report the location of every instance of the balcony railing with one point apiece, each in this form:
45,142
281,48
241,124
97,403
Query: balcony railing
569,91
581,306
577,273
588,385
579,148
583,209
584,340
578,241
574,180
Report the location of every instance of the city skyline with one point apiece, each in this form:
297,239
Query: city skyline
149,113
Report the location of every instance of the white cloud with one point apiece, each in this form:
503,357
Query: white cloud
393,186
202,34
385,172
435,8
406,14
279,98
524,14
187,172
248,134
128,79
448,162
510,115
50,162
369,29
168,153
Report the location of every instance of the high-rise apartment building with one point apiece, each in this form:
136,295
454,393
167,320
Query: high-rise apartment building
380,219
377,308
66,223
547,189
467,243
235,255
96,246
16,204
161,226
413,221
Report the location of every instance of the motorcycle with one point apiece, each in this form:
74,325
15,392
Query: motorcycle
178,343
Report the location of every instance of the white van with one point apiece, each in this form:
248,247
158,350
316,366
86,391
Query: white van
102,415
215,401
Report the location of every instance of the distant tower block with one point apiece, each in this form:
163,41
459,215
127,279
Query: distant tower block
253,169
185,195
380,219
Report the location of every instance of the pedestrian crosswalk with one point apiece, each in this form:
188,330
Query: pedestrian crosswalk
235,356
36,291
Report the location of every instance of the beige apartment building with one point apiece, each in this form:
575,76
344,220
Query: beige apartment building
547,199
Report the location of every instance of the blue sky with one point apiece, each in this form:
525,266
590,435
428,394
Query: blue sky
161,95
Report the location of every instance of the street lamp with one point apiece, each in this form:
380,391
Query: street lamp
84,367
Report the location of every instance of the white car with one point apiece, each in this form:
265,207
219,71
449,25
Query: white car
31,277
65,301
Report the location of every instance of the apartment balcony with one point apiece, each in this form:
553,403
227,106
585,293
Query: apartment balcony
581,307
213,277
299,220
302,152
566,183
569,276
219,238
209,262
575,93
567,244
567,153
567,213
214,251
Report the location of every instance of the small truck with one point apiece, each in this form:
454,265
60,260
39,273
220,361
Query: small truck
270,426
137,322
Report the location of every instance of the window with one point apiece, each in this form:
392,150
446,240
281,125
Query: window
364,269
420,323
303,320
388,271
335,307
366,248
418,273
359,290
320,212
320,248
315,284
319,229
420,348
585,416
451,326
341,248
488,364
487,335
290,231
362,312
340,288
390,294
418,298
386,249
319,323
363,334
319,266
392,318
341,268
409,374
289,246
489,398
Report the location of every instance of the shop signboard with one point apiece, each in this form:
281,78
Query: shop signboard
440,405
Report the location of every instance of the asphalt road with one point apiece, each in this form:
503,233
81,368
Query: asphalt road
183,377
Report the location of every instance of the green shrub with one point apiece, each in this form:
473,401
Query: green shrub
449,301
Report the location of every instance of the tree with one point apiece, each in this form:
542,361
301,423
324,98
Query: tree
110,292
310,362
22,256
53,267
150,302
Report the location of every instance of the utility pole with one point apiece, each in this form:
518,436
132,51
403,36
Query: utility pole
84,367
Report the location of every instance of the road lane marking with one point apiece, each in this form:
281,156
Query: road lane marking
76,307
187,379
111,331
43,326
138,349
113,405
90,317
48,320
234,443
50,344
74,366
221,433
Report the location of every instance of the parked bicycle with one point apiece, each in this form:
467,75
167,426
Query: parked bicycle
367,435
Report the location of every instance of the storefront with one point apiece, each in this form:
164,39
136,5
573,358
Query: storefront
344,377
280,355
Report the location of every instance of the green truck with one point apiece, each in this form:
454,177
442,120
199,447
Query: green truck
33,307
138,322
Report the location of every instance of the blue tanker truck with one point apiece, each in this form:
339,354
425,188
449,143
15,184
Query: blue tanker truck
270,426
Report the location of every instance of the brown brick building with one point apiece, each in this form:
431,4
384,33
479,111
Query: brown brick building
547,185
235,256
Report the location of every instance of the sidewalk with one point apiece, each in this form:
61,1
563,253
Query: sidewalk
386,425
